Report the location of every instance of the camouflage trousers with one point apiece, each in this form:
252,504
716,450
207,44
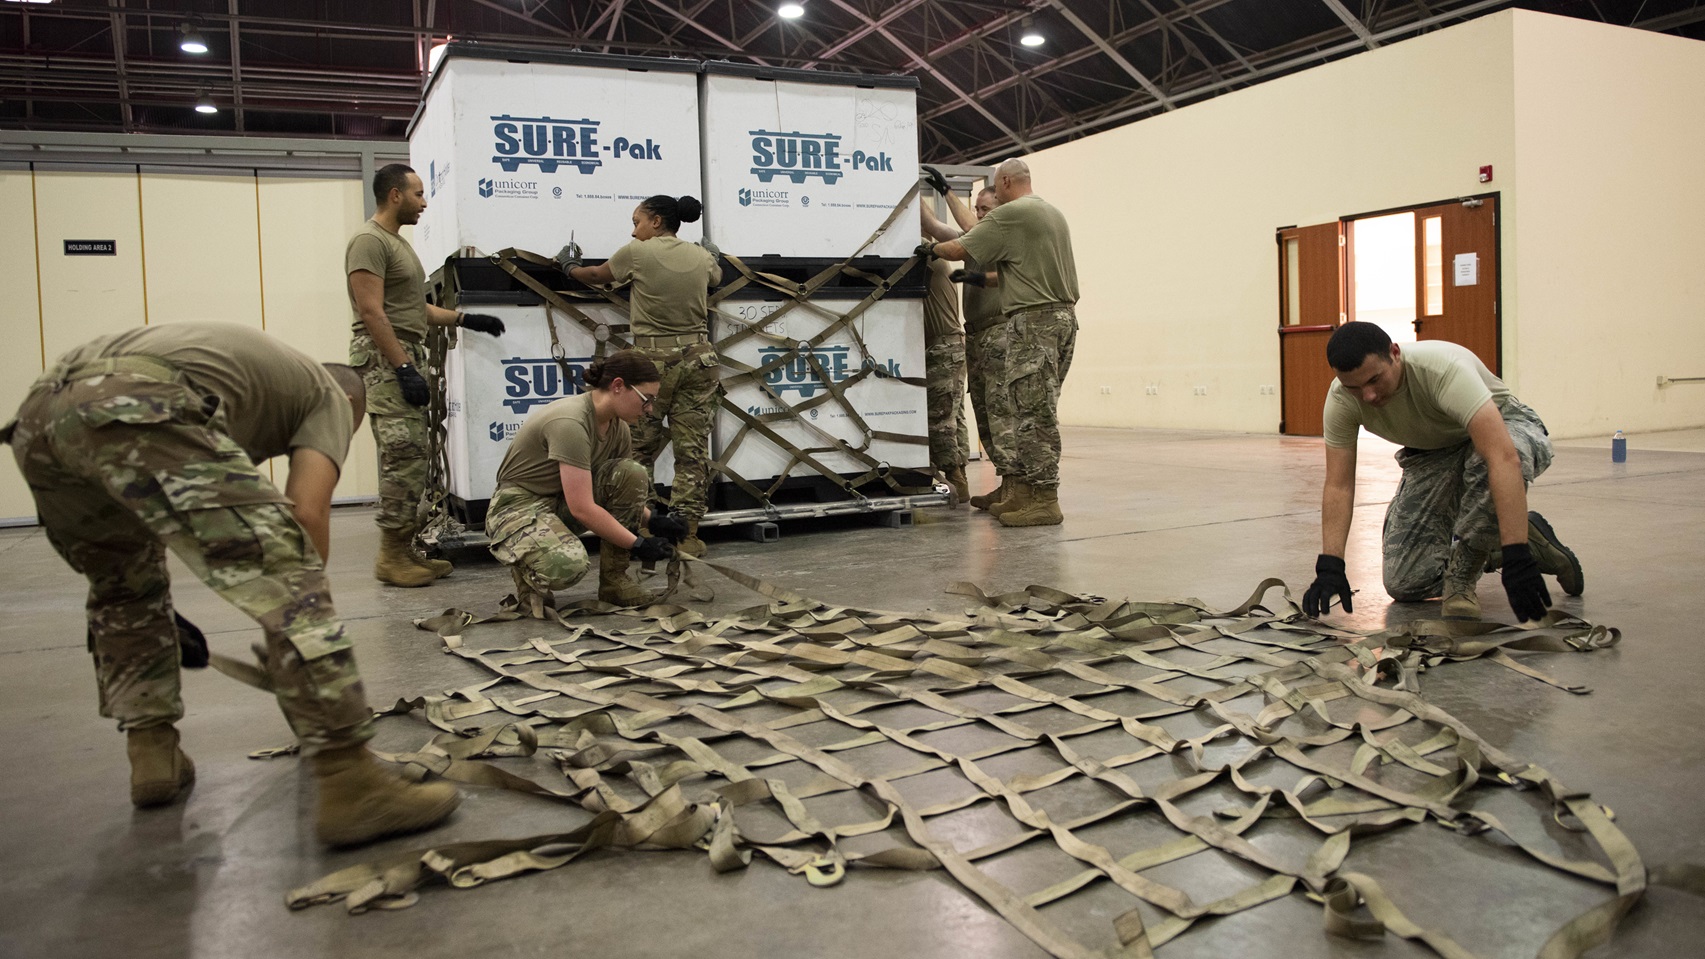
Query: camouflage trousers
944,370
1441,526
1039,353
985,378
537,534
687,398
399,431
123,466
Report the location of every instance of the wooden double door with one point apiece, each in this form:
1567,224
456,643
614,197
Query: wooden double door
1456,294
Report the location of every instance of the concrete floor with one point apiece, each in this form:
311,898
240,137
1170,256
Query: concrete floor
1150,515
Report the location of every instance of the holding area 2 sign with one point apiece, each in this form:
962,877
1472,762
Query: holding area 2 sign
91,248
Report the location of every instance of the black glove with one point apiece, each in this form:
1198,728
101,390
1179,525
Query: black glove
969,277
936,181
482,323
1329,581
925,250
568,257
192,643
667,525
415,390
1523,583
651,549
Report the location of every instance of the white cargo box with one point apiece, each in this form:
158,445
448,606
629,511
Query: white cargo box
892,329
521,149
492,383
803,164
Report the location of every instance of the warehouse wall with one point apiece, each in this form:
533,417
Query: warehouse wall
1173,217
1610,132
260,250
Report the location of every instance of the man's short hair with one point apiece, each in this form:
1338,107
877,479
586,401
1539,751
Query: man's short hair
1015,168
391,176
1352,343
348,380
988,189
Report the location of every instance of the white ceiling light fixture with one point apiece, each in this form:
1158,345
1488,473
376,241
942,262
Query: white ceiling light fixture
191,40
1029,35
791,11
205,104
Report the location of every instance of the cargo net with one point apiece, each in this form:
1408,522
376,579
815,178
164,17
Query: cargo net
1042,748
784,354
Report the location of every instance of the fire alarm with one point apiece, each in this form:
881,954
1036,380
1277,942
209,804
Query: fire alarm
1486,174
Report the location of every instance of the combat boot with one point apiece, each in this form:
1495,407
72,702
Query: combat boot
362,800
1017,497
397,565
1042,508
1460,603
440,567
159,770
529,601
1552,556
957,482
987,500
691,545
615,586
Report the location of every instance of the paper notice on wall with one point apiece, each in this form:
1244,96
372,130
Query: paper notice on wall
1467,269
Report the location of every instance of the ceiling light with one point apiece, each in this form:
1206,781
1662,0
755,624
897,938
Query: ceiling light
1029,35
205,104
192,41
791,11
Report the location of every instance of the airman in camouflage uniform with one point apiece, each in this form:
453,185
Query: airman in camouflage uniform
668,306
570,471
944,374
147,440
1469,451
1025,239
387,289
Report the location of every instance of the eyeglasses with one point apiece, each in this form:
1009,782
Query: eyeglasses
644,400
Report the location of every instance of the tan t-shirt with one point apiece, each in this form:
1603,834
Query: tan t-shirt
670,278
564,431
388,256
275,399
941,305
1028,242
982,305
1443,386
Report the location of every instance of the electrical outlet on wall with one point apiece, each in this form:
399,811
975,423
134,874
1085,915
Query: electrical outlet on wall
1266,391
1106,391
1201,391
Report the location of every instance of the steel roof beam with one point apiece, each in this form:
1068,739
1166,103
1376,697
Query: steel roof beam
1112,54
1064,60
1356,26
917,62
719,38
870,26
1067,127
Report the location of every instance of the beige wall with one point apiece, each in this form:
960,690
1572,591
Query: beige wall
264,251
1173,217
20,322
1610,138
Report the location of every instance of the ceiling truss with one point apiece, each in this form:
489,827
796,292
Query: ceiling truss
355,68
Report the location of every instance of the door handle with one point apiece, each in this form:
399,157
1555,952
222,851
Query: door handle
1417,324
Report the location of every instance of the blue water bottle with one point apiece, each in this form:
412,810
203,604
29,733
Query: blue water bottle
1619,448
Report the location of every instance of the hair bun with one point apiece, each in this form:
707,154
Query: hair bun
688,208
593,376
